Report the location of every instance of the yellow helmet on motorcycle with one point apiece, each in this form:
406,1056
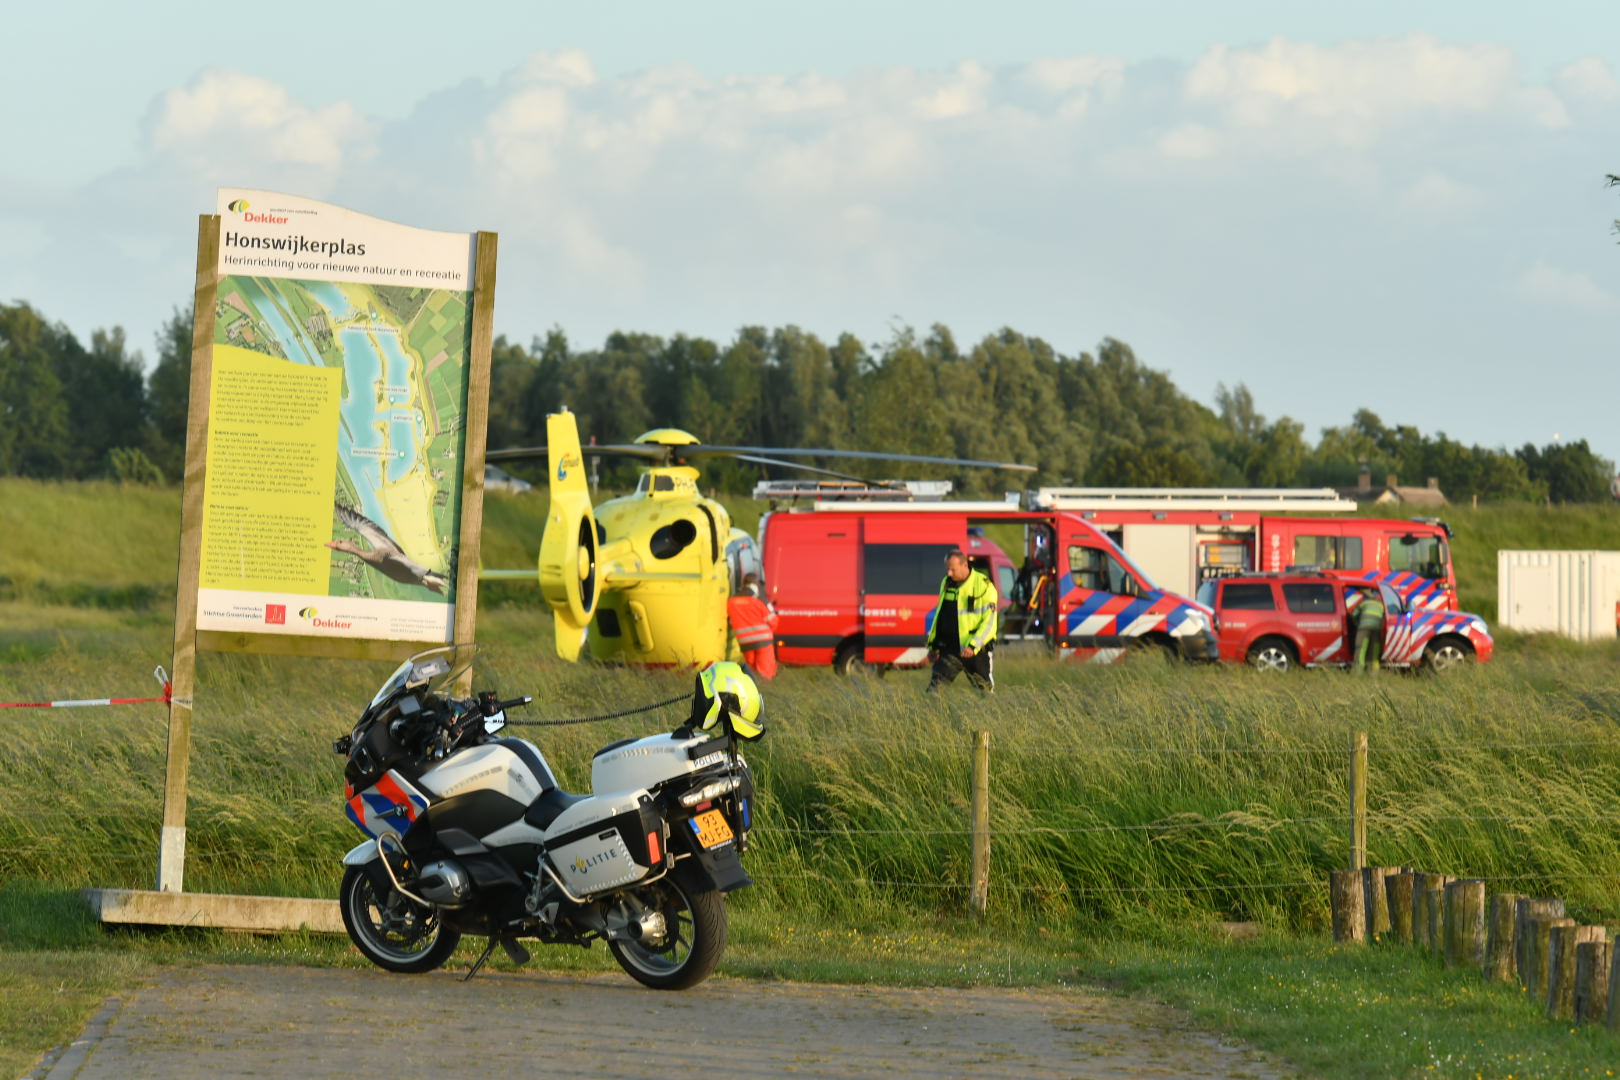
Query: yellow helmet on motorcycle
726,685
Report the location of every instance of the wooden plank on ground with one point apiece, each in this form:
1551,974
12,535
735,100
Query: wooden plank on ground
217,911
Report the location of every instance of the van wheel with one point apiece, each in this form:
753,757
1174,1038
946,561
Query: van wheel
847,660
1272,654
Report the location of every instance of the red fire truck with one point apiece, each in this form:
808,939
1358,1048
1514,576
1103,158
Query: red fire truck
1184,537
858,582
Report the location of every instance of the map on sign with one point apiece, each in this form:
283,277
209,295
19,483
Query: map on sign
402,351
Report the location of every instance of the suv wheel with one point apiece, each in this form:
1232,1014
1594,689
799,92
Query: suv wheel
1272,654
1447,653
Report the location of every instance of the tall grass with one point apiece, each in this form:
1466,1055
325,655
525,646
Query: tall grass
1127,794
1135,796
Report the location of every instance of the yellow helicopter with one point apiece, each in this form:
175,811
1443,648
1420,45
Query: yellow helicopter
643,579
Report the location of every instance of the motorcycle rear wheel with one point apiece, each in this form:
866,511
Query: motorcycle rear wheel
393,932
694,939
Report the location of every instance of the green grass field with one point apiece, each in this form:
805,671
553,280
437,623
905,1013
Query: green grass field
1133,809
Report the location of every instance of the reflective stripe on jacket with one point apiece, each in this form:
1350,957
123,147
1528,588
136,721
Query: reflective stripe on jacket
752,621
976,601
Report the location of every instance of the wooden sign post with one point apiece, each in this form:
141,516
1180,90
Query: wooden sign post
403,318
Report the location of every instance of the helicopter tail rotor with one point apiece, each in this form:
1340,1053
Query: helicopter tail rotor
568,570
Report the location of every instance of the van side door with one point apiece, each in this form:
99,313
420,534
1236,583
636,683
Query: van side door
902,564
1099,601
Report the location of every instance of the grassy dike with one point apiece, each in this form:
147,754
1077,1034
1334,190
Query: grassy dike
1133,810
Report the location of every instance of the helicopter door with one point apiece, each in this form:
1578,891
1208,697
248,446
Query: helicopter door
902,562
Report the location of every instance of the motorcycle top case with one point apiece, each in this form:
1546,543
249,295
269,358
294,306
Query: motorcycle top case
388,806
635,764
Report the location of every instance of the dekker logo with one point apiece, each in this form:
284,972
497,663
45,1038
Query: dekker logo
240,206
275,614
311,616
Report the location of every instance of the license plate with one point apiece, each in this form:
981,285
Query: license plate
711,828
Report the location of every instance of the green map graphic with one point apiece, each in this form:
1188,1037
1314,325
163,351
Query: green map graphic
403,352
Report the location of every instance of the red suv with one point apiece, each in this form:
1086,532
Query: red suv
1278,621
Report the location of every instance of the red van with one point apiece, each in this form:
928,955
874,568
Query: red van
858,583
1187,536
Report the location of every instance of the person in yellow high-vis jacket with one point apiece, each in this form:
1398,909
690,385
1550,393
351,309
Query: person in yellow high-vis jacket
962,636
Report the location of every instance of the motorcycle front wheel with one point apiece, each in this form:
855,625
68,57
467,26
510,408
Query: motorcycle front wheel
392,931
690,947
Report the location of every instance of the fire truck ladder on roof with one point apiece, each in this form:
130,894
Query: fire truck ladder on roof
852,490
1299,500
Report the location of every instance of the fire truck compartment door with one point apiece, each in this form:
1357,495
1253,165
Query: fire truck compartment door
1166,553
902,562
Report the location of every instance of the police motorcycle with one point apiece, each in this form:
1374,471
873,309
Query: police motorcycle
470,834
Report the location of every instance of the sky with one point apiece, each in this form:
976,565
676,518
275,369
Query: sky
1386,205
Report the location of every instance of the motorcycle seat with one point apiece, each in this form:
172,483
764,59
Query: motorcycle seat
551,803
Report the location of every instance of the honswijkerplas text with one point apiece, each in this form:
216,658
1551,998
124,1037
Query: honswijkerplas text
294,245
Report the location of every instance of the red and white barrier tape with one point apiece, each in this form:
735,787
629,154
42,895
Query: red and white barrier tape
161,676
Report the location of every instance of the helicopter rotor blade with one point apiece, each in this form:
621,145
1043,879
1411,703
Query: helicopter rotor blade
702,450
819,471
534,453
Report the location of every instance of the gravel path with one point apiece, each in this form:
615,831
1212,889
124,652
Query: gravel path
280,1022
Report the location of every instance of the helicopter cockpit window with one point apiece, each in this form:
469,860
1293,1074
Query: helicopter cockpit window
663,483
672,539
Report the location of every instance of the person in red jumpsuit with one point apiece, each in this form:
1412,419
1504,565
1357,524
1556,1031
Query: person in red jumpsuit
754,625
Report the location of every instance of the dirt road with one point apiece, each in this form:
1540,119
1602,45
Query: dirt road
279,1022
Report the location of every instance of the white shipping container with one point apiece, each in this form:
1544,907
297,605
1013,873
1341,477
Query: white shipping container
1574,593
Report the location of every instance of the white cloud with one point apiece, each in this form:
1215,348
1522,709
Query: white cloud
1547,284
1189,141
1588,79
1436,195
226,113
1352,93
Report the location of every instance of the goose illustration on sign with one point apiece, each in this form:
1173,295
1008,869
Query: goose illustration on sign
385,555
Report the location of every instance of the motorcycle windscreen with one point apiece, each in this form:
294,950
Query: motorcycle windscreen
902,564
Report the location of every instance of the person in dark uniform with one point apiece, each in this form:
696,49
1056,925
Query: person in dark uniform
963,634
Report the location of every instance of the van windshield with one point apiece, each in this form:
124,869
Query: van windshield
1425,555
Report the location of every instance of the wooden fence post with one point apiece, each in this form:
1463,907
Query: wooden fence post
1465,924
1349,914
1536,953
1528,909
1399,888
1434,910
1420,917
1377,900
1593,959
1501,964
979,888
1614,992
1561,966
1358,801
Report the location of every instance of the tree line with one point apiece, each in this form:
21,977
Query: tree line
1102,418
